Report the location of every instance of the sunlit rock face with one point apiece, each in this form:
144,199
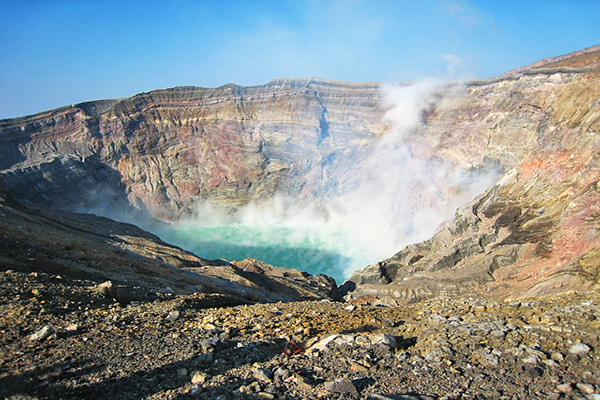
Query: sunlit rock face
163,151
536,229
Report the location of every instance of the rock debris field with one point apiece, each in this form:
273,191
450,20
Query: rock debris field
65,338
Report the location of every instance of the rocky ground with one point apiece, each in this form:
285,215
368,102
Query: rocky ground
67,338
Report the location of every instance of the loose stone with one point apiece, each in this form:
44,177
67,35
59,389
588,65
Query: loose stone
199,377
585,388
173,315
42,334
343,385
579,349
262,374
206,358
564,388
534,372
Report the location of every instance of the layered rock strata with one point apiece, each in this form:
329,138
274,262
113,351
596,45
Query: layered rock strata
165,150
534,231
161,153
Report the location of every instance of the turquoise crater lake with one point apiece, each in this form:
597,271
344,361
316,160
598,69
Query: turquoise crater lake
315,252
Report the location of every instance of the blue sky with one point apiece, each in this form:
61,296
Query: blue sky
58,52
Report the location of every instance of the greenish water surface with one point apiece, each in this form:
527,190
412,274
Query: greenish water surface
302,249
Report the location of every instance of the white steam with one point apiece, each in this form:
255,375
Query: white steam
395,197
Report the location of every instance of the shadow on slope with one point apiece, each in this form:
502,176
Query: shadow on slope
85,246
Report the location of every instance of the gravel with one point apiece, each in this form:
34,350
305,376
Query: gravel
62,338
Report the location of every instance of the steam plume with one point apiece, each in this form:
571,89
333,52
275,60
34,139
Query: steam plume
395,197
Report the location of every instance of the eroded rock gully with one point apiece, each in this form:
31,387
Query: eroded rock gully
160,153
535,230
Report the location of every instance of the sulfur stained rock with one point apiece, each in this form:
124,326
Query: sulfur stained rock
159,154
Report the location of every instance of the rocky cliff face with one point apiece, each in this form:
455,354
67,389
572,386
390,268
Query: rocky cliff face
163,151
534,231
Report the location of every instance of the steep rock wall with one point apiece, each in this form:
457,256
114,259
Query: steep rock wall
165,150
534,231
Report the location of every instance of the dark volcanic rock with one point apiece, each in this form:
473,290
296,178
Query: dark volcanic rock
92,308
462,348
